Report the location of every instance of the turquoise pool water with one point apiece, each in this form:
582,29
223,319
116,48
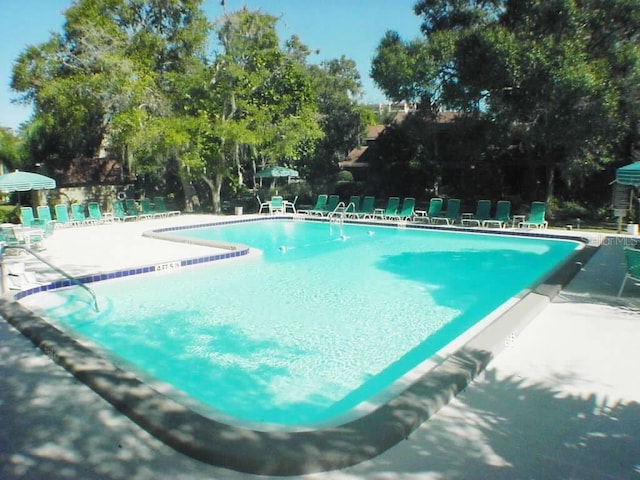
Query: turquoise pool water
327,317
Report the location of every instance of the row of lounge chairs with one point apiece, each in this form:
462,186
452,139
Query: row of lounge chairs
75,215
395,210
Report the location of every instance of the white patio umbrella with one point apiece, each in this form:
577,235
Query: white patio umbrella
24,181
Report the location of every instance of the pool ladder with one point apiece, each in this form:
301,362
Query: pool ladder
50,265
340,212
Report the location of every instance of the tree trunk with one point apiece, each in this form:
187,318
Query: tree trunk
191,200
215,185
550,174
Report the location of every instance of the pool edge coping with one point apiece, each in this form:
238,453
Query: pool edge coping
298,452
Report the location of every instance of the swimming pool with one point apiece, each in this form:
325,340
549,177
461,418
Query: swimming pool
406,273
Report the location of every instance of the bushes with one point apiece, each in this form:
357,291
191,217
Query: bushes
9,214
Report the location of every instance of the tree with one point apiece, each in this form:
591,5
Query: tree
555,77
94,86
250,103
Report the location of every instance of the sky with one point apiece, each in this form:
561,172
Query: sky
352,28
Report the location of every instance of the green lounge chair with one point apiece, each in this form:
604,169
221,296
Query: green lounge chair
96,214
433,211
131,208
119,213
332,204
407,212
391,210
161,207
367,207
353,206
44,215
451,215
536,216
62,216
632,260
502,216
483,212
318,208
28,219
77,215
147,210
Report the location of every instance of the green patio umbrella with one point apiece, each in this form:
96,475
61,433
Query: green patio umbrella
24,181
276,172
629,174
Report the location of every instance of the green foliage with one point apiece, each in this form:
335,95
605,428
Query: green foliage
559,81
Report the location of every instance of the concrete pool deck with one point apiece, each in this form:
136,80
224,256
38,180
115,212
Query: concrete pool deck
562,401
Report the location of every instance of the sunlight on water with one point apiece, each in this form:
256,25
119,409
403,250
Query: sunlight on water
284,337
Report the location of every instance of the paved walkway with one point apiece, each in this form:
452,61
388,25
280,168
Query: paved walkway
562,402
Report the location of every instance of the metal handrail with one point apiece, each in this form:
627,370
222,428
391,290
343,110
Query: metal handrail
53,267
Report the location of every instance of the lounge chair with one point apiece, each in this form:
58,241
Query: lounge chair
367,207
352,206
96,214
28,219
433,211
28,237
407,212
391,210
131,208
632,260
78,215
536,216
483,212
161,207
119,213
147,210
318,208
62,216
451,215
502,216
332,204
44,214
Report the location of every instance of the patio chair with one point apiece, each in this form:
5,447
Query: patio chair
78,215
433,211
262,205
536,216
291,205
44,214
451,215
131,208
407,212
147,210
332,204
632,260
161,207
367,207
483,212
502,216
119,213
318,208
391,210
96,214
353,205
276,204
62,216
28,219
